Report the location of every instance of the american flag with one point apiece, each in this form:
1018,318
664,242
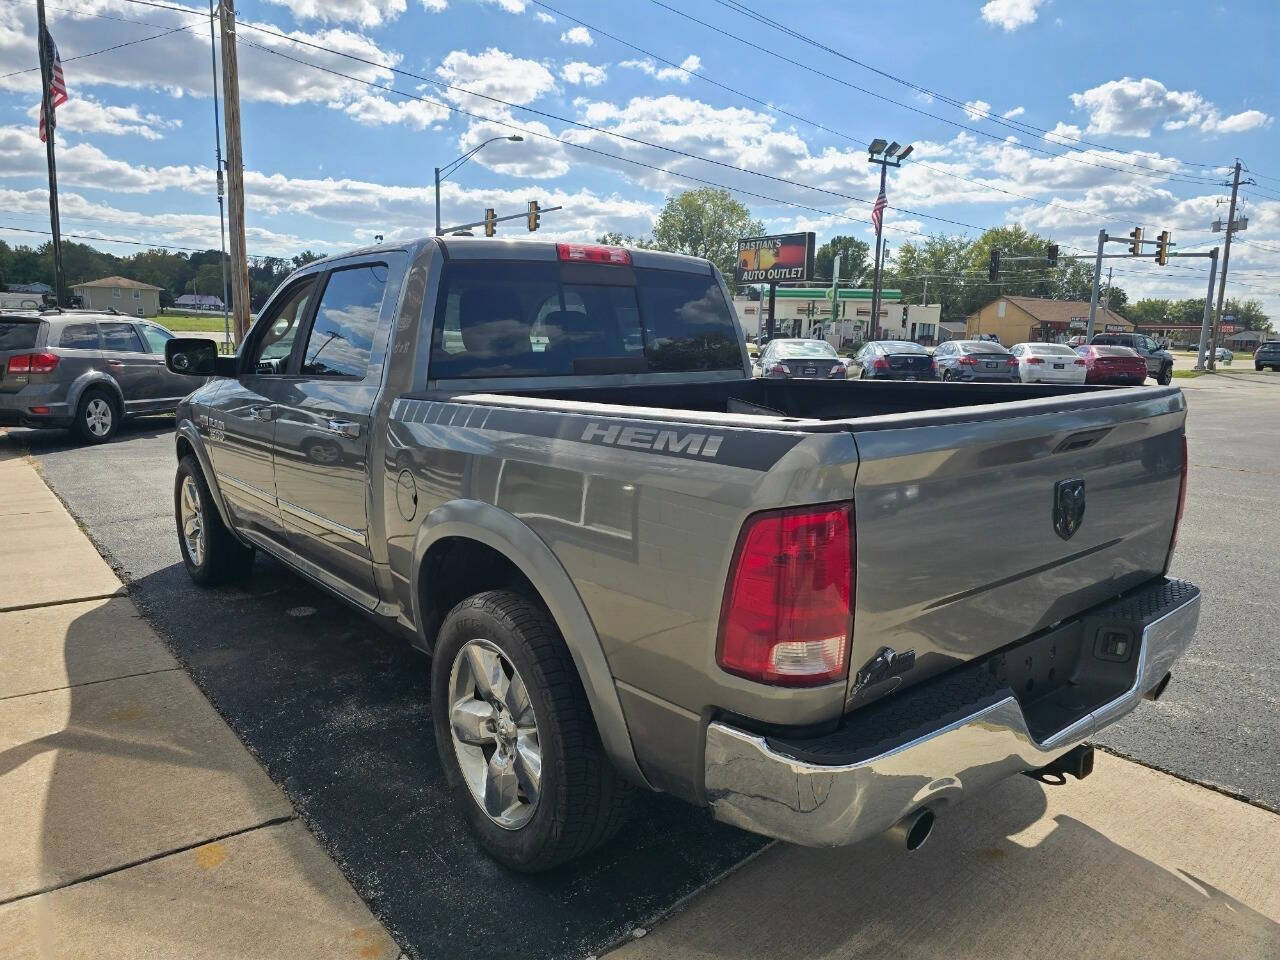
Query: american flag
57,83
877,212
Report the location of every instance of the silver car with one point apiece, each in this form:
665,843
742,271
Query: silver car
84,370
975,360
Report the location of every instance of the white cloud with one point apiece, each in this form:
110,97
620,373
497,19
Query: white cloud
511,6
1009,15
494,73
977,109
578,35
434,6
367,13
543,17
581,72
82,164
1015,112
690,64
380,111
85,114
1133,108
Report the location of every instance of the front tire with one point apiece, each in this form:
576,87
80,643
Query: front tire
209,551
516,736
97,416
1165,377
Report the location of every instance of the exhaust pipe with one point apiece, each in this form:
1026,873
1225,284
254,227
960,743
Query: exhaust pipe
913,829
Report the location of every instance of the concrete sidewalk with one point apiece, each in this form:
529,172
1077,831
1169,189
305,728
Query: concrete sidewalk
133,822
1127,863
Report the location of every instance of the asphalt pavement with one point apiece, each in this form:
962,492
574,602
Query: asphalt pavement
337,711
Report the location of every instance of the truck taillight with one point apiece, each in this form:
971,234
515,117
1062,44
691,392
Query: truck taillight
33,363
593,253
1182,503
788,606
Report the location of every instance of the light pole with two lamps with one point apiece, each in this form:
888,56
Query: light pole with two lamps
442,173
886,155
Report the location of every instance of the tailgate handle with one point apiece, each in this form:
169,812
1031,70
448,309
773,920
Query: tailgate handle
1079,441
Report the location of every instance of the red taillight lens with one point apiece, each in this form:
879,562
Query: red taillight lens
967,361
779,368
1182,503
1034,360
593,253
33,363
1079,361
788,613
1013,361
880,363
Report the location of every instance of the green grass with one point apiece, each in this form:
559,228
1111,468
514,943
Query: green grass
196,323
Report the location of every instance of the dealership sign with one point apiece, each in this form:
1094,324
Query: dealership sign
778,259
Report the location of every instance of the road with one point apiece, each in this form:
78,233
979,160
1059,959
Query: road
336,710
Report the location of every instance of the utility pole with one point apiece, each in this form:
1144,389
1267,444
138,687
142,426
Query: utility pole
235,171
46,105
1226,258
217,155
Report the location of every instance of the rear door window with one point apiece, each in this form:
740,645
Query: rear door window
527,319
79,336
121,337
346,318
18,334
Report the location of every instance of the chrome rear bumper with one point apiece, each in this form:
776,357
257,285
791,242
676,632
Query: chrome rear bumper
753,783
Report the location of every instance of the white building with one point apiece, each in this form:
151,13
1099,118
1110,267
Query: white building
806,311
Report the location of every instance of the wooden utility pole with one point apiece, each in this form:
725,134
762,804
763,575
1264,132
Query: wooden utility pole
1216,332
239,278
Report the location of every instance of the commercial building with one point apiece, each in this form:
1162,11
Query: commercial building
806,311
198,301
120,294
1032,319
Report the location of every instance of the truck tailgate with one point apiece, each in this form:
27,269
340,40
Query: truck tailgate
957,551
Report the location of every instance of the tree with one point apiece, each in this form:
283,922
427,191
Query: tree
705,223
615,239
1248,314
854,259
305,257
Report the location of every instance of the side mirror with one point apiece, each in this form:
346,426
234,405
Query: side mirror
197,357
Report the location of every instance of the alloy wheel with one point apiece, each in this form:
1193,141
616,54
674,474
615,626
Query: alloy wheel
495,734
98,416
192,520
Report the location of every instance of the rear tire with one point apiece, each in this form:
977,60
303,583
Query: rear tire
97,416
507,703
209,551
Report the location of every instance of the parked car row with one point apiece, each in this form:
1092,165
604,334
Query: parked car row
971,361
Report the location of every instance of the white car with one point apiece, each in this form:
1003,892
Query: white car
1048,363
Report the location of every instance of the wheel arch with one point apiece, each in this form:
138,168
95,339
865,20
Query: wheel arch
490,532
187,441
95,379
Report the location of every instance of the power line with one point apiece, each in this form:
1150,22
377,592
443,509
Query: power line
1139,169
132,243
118,46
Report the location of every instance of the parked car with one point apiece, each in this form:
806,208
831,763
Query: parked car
1048,363
1077,341
1223,355
800,358
1113,365
975,360
893,360
1267,355
647,566
1158,361
84,370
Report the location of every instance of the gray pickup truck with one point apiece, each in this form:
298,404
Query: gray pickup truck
824,609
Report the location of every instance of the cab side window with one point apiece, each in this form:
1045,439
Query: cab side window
276,343
346,319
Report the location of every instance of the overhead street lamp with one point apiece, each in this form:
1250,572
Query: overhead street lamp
443,173
886,155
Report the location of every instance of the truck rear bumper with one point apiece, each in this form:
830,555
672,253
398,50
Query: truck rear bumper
951,736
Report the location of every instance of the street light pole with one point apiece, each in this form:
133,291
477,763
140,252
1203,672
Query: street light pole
443,173
886,155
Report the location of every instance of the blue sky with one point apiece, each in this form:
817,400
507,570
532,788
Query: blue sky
1167,96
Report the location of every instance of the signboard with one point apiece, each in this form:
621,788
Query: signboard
1116,328
777,259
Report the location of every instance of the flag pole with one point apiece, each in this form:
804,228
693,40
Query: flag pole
46,106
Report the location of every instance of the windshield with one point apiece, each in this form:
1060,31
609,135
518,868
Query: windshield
543,319
902,346
795,349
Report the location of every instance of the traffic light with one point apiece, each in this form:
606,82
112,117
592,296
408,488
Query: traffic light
490,227
1162,248
1135,241
993,268
534,218
1051,254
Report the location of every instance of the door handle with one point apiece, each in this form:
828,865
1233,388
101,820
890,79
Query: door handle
115,363
345,428
261,413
